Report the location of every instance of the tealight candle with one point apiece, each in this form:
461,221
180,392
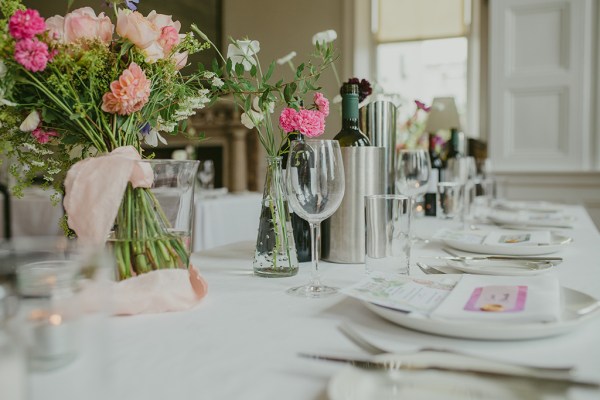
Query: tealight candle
53,340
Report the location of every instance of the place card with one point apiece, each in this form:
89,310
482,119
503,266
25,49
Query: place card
518,238
502,299
402,293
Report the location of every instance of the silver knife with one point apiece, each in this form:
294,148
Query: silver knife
396,365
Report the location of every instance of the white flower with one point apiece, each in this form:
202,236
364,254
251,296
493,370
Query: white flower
269,105
251,119
180,155
287,58
31,122
4,101
153,137
337,99
3,69
327,36
243,52
208,74
217,82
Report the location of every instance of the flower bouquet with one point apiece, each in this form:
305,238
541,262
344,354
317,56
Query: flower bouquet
240,77
82,85
413,129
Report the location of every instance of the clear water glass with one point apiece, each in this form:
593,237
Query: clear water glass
450,199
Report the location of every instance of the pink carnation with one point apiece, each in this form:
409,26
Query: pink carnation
129,93
32,54
322,103
25,24
289,120
312,123
42,136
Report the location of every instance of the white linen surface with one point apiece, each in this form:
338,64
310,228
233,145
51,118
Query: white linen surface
242,341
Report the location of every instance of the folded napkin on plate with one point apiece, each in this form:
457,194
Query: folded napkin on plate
517,238
502,299
158,291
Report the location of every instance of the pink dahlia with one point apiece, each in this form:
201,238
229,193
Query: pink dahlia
312,123
322,103
129,93
42,136
32,54
25,24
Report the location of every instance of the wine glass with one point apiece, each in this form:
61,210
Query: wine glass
315,184
206,174
413,169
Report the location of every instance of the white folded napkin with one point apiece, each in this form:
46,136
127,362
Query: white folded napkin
502,299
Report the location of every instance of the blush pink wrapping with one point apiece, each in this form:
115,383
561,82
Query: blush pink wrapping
94,189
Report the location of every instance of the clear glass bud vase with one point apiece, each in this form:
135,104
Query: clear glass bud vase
275,254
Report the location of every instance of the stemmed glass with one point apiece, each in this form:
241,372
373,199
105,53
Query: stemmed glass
206,174
413,169
315,184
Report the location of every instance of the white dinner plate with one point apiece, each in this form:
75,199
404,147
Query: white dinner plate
531,206
524,219
352,383
577,308
502,267
557,242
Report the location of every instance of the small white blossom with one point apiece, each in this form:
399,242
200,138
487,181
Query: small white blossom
36,163
164,126
31,122
269,105
243,52
217,82
287,58
327,36
208,74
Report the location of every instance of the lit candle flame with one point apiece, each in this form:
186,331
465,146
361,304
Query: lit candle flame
55,319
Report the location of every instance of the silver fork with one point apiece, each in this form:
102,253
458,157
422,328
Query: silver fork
373,349
429,270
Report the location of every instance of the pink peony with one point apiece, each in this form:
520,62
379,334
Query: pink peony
322,103
25,24
129,93
81,24
312,123
289,120
32,54
42,136
155,35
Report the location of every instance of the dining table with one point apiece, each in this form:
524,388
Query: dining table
243,340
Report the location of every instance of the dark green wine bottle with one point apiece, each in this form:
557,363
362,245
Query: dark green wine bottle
350,134
300,227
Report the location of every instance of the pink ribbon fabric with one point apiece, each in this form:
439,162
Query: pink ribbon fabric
94,188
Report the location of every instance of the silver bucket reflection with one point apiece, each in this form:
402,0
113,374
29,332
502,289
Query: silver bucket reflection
344,233
378,121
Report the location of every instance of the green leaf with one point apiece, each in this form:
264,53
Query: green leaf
239,69
279,83
287,94
270,71
201,67
299,70
253,70
229,65
215,66
248,103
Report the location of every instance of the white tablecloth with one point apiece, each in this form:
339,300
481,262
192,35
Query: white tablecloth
34,214
225,219
242,341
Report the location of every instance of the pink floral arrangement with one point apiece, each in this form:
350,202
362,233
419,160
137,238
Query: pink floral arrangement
87,83
309,122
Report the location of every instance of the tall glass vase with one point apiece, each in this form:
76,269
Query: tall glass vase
275,254
153,228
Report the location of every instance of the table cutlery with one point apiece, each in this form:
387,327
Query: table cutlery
399,365
457,257
375,350
428,270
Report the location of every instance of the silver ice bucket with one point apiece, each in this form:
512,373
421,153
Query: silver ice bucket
378,121
364,173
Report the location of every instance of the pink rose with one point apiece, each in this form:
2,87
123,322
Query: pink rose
169,30
81,24
25,24
322,103
32,54
141,32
